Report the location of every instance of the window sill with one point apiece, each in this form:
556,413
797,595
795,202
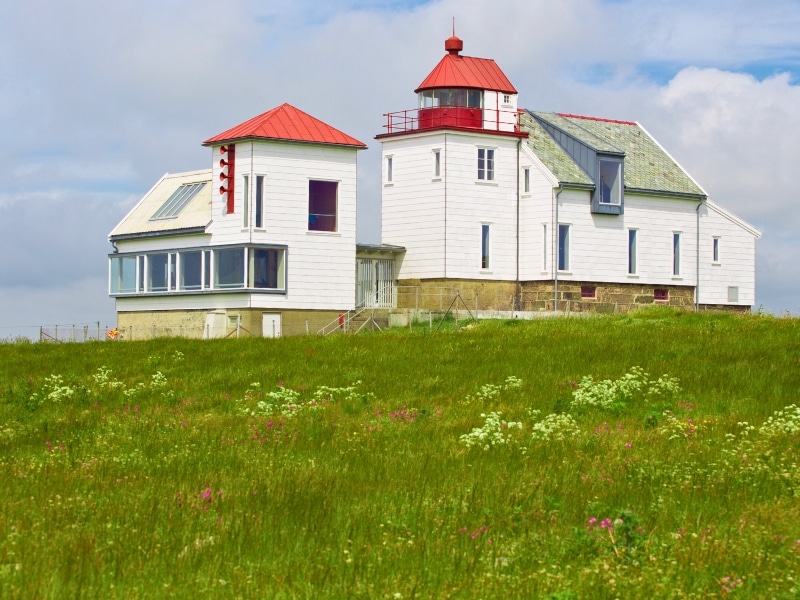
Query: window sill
716,264
436,179
633,276
677,278
484,182
486,272
565,273
325,233
391,184
525,195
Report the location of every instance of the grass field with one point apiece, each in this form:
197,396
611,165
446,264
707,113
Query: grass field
481,462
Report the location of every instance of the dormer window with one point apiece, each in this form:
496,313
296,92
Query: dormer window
609,184
608,197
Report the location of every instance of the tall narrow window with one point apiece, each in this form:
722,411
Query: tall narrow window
526,180
631,251
485,246
437,163
486,164
322,205
157,272
389,169
563,247
259,219
246,201
715,250
676,254
190,270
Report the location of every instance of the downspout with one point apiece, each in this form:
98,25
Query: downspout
697,257
517,291
554,253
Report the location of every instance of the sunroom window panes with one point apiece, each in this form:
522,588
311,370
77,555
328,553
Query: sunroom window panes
229,268
266,269
190,270
157,272
123,275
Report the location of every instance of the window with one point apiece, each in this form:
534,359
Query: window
246,201
631,251
178,201
506,99
660,294
191,270
563,247
158,272
389,173
265,268
526,180
197,269
733,293
588,292
609,186
715,250
437,163
486,164
676,254
485,246
123,275
259,218
229,268
451,97
322,205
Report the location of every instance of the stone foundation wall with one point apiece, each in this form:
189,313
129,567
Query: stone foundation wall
191,323
438,294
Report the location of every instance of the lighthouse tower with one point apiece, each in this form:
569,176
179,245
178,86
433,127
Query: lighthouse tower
451,177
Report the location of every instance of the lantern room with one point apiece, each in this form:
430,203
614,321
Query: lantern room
461,92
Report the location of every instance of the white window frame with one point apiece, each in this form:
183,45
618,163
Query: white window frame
260,204
246,201
715,250
389,169
486,246
676,254
545,244
487,161
526,180
437,163
564,267
633,251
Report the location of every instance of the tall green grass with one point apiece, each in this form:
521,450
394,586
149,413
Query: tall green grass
198,481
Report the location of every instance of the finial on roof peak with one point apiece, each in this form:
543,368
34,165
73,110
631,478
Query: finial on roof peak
454,44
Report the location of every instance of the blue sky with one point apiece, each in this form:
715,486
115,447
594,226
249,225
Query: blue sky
100,99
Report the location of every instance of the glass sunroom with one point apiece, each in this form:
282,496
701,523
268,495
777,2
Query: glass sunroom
199,270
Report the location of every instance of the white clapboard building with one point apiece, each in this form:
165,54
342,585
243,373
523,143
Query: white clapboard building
498,207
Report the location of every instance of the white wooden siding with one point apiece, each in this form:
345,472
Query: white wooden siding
736,266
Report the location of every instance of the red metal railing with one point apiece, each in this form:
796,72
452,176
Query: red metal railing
465,117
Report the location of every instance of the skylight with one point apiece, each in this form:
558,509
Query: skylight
178,201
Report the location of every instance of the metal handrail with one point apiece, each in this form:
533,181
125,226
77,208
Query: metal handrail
344,323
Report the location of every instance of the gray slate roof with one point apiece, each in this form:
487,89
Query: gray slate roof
648,167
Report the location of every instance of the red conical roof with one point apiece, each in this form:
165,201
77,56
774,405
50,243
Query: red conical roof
456,71
285,122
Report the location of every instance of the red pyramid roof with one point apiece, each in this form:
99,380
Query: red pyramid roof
285,122
455,71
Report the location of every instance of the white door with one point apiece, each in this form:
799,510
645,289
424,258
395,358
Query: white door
215,325
271,325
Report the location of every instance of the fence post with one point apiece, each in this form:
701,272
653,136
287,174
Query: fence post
56,332
307,331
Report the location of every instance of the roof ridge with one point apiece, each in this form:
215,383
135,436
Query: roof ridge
601,119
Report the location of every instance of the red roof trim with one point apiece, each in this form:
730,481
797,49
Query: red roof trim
569,116
286,123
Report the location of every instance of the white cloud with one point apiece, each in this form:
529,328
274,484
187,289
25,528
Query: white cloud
102,98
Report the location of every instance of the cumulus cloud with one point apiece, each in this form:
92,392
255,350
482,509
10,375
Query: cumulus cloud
100,99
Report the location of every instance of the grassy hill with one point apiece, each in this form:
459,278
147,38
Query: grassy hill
652,454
